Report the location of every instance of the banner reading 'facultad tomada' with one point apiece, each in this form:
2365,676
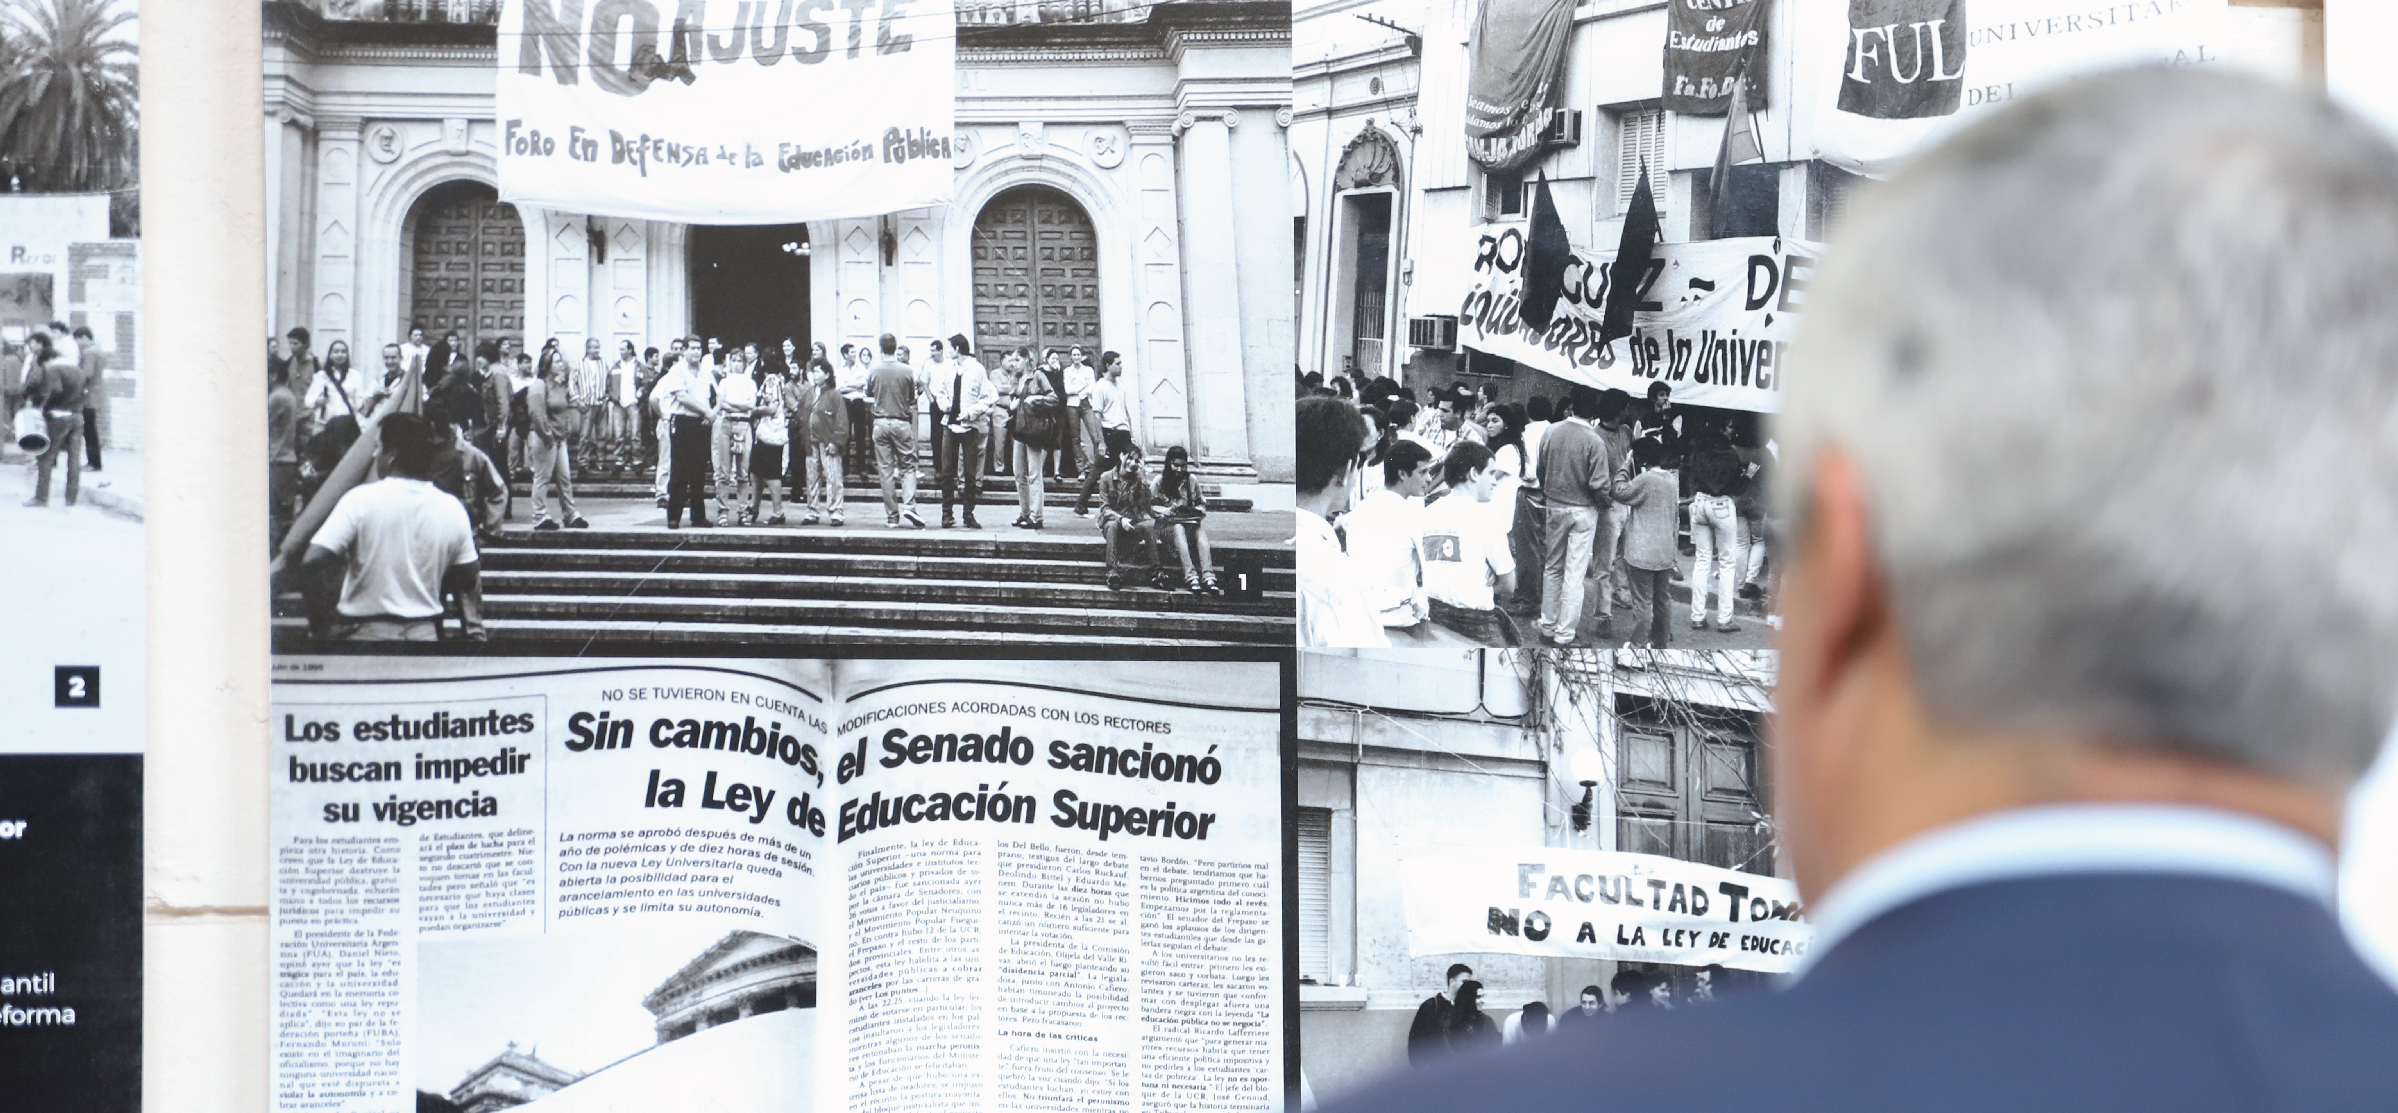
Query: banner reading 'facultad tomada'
726,111
1713,319
1601,904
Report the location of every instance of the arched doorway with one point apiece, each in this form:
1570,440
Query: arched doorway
1036,273
749,284
467,265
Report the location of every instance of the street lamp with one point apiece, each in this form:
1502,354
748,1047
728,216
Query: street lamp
1589,767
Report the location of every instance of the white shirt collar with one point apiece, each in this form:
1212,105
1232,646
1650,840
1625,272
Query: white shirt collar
2069,839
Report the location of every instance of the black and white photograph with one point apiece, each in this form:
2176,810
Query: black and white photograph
1579,237
617,1019
687,342
1440,791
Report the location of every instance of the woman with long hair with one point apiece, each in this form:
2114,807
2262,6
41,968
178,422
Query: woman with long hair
1035,428
773,431
1186,513
1469,1027
547,412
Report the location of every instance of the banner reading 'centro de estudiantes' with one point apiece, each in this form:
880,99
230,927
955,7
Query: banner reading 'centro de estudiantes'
726,111
1601,904
1714,318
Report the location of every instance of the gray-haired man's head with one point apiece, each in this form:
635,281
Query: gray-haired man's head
2118,367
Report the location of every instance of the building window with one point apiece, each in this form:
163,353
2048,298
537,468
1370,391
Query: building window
1828,190
1752,203
1639,135
1315,894
1502,195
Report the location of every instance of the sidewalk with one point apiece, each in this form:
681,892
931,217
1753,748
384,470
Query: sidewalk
116,489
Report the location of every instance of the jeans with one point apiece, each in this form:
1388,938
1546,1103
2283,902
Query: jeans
688,440
1567,564
550,466
861,434
1650,595
91,436
66,434
1528,541
895,461
1031,494
998,443
1113,442
824,479
1715,532
1088,441
1606,565
283,499
959,459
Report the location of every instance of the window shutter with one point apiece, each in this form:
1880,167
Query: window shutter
1315,893
1640,135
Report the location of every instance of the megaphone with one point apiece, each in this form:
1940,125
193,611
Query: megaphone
32,430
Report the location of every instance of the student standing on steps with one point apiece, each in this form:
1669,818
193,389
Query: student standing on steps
827,415
1113,417
687,396
547,401
893,388
1034,427
965,413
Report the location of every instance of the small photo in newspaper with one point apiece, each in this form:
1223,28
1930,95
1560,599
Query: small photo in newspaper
748,885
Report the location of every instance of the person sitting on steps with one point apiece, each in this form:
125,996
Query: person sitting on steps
1128,505
1186,518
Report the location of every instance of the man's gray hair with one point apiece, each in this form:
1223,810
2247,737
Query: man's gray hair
2119,369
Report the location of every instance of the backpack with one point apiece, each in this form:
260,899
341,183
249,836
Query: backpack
1037,420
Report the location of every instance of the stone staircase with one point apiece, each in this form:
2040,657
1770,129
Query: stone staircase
574,591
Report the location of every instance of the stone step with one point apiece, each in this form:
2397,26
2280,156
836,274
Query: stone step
1026,546
710,589
852,494
613,484
920,621
905,566
570,635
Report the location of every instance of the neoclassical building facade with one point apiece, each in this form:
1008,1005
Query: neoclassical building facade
1121,184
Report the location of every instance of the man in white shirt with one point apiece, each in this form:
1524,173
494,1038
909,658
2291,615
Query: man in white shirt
1465,558
1332,610
1114,418
1386,536
964,410
624,400
934,380
416,351
2062,794
1536,506
687,396
1088,441
396,543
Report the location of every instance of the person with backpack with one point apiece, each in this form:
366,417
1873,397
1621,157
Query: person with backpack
1037,424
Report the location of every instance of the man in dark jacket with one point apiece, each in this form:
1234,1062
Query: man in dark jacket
1428,1037
55,385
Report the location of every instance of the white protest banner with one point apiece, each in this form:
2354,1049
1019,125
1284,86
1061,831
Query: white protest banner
1600,904
727,111
1882,78
1713,320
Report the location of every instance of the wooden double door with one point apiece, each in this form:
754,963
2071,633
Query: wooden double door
468,266
1036,275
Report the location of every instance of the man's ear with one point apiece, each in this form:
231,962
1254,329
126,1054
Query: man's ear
1844,587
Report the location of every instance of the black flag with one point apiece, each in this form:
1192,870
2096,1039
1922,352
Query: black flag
1631,261
1544,261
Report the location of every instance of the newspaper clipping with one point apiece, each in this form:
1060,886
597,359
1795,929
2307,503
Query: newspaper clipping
612,885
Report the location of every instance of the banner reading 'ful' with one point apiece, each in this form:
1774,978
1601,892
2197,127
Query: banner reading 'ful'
727,111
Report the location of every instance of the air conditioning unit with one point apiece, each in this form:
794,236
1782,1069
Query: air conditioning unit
1437,332
1565,129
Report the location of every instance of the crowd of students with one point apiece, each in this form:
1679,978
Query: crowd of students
1519,524
729,428
1452,1021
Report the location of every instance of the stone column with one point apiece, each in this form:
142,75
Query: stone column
1157,372
334,314
1219,420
